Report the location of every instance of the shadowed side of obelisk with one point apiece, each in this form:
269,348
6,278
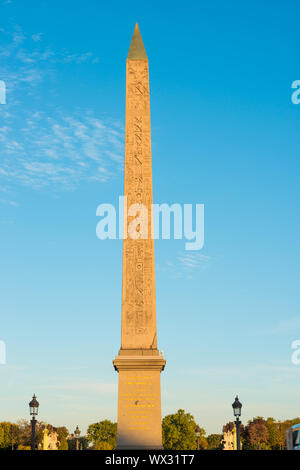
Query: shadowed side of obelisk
139,363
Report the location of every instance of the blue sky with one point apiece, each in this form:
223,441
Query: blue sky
224,133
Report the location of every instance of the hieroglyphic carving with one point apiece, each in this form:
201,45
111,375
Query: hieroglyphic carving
138,294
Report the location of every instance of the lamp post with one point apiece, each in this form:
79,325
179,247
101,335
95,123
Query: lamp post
237,411
198,437
33,408
77,434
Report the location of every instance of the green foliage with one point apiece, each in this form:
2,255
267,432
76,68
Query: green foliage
62,434
83,443
214,441
15,435
63,444
103,431
5,435
102,445
275,438
179,432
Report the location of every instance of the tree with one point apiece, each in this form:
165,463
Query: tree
104,431
63,444
257,434
214,441
83,443
275,437
229,427
25,433
102,445
5,435
62,434
15,436
179,432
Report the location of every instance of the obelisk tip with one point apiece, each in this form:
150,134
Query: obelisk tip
137,49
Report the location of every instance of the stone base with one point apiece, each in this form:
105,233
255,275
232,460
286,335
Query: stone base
139,404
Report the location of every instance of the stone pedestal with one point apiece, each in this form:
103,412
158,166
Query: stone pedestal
139,402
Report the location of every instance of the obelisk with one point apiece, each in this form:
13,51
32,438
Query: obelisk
139,362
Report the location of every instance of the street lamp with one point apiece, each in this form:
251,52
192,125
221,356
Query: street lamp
198,433
77,434
33,408
237,411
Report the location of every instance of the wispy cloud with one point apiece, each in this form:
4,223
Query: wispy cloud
39,148
20,45
37,37
61,150
193,260
287,326
185,264
9,203
29,60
